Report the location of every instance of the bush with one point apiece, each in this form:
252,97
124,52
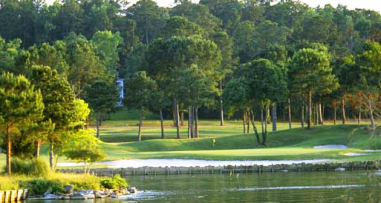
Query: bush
36,167
8,183
115,182
40,186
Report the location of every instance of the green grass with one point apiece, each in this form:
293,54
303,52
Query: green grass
120,134
284,144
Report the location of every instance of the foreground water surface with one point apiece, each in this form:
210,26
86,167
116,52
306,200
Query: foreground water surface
358,186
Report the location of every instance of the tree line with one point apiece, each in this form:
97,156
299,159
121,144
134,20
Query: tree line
255,59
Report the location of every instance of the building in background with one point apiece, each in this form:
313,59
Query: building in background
120,84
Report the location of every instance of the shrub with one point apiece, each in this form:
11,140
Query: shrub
40,186
36,167
114,182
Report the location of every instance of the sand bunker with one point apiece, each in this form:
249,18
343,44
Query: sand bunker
331,147
355,154
136,163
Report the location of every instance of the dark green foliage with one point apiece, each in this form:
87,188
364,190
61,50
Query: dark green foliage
35,167
115,182
40,186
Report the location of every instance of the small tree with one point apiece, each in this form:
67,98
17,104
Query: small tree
20,108
140,92
84,147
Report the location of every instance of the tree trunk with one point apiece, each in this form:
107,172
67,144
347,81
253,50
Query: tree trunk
221,106
262,126
267,118
254,127
370,108
97,117
190,122
51,157
302,116
140,124
244,120
9,156
309,118
37,151
176,117
248,121
315,113
182,119
334,115
343,109
162,123
196,135
359,119
274,117
321,121
289,114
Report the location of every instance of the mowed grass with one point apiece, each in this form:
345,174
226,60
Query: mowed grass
207,129
120,141
232,144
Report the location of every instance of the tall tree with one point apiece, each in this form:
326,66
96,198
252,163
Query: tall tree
148,17
310,73
225,45
102,97
140,92
21,107
169,59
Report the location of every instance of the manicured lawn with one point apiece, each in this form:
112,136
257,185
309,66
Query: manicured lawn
284,144
119,137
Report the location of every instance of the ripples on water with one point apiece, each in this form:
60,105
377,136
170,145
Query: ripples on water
358,186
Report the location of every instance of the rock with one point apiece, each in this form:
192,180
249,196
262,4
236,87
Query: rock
69,189
133,190
50,197
48,192
64,197
79,196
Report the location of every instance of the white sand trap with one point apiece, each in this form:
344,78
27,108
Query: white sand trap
136,163
355,154
372,150
331,147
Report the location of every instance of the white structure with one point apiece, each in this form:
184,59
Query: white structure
120,84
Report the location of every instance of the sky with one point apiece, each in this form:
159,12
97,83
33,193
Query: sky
351,4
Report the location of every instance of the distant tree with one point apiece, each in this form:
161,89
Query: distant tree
148,17
140,92
106,45
197,13
180,26
9,52
85,65
21,107
102,97
310,73
225,46
169,59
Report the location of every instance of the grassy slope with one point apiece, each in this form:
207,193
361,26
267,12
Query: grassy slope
230,145
119,135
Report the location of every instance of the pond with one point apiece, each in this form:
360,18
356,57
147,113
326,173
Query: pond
358,186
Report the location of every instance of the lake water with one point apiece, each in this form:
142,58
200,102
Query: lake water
358,186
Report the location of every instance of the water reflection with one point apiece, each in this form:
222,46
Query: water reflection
267,187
